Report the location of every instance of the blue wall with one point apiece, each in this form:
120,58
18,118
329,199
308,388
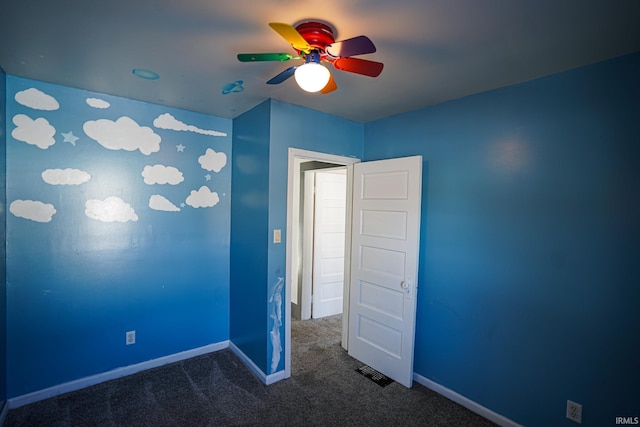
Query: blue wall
3,234
262,137
130,248
303,128
530,243
250,233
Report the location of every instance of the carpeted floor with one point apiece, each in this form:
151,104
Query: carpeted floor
218,390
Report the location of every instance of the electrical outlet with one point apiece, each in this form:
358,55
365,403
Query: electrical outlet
574,411
131,337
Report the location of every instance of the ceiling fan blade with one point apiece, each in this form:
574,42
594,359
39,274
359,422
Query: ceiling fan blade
290,34
252,57
282,76
355,46
359,66
330,87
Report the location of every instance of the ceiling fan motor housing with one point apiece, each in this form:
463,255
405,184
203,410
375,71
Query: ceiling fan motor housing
315,43
317,34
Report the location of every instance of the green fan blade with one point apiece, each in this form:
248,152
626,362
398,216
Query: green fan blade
252,57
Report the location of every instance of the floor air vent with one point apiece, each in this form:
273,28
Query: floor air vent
375,376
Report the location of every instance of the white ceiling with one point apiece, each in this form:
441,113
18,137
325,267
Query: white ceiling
433,50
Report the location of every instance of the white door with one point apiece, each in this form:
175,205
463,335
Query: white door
328,242
384,265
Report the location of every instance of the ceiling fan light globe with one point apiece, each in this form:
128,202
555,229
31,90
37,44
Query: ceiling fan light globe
312,77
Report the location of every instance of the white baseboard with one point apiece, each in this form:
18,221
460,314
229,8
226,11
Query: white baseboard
267,379
3,412
463,401
16,402
274,378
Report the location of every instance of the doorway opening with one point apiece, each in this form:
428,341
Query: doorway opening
305,167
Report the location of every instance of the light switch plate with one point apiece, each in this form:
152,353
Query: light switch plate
277,235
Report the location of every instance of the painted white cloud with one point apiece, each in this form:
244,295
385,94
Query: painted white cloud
32,210
123,134
167,121
203,198
98,103
65,176
36,132
161,203
161,174
110,209
36,99
212,161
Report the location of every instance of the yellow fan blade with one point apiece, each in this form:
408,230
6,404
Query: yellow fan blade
290,34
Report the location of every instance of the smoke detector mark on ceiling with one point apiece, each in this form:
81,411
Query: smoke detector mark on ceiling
145,74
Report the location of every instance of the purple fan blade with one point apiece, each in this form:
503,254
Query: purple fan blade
282,76
350,47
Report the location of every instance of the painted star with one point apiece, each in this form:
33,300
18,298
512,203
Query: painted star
180,148
70,137
182,205
207,177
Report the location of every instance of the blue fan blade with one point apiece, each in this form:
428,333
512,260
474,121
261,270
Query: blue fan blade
282,76
356,46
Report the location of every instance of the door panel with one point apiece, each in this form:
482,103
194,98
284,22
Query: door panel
388,224
387,302
384,265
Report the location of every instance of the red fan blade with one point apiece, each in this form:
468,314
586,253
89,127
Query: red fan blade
359,66
330,87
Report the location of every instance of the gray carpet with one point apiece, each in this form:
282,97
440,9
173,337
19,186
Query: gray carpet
218,390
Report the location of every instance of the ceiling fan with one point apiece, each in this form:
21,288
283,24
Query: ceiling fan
315,43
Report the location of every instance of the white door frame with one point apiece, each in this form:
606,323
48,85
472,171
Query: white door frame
297,156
